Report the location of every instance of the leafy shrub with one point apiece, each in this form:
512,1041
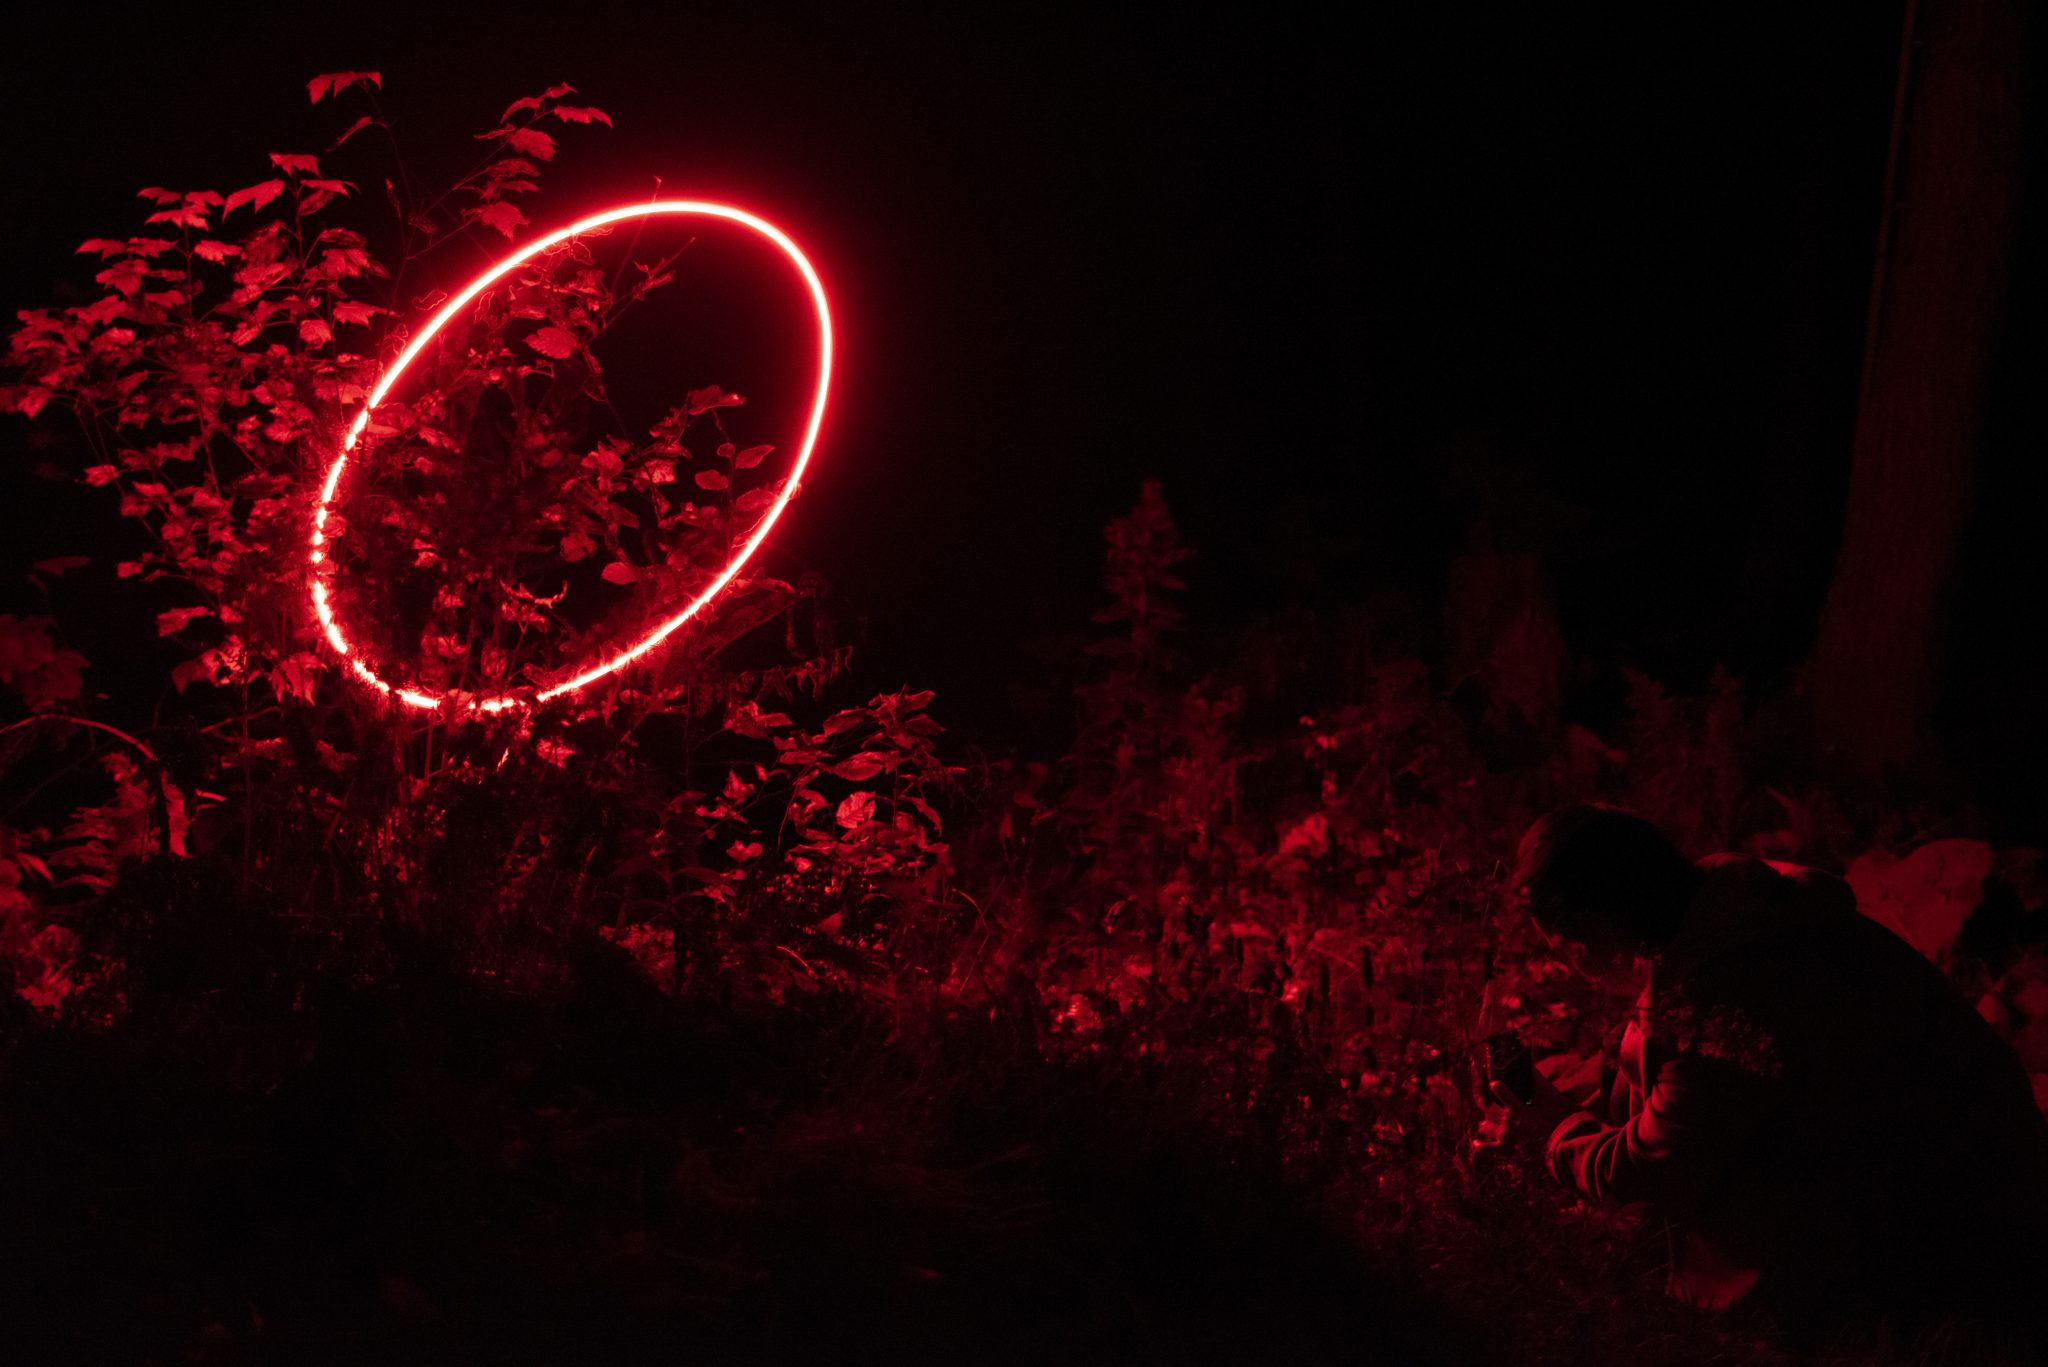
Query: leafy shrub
502,525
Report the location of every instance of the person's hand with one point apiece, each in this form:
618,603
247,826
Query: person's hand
1530,1123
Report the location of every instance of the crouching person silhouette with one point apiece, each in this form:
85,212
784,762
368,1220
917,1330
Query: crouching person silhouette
1819,1120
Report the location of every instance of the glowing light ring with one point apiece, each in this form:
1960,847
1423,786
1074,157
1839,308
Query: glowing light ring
323,608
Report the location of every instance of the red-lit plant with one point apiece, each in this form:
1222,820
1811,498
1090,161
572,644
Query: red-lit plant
509,523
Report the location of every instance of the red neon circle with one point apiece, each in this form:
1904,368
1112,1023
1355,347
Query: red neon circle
323,608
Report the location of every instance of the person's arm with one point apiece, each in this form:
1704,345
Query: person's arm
1698,1112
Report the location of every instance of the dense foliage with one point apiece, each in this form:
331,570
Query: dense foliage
503,524
682,987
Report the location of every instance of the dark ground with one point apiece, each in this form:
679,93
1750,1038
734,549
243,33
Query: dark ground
427,1172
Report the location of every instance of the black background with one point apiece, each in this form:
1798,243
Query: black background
1339,279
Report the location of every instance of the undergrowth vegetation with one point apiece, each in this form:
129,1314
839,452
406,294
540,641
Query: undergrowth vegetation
715,1005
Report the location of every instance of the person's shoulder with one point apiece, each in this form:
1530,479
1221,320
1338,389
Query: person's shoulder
1734,871
1828,890
1731,863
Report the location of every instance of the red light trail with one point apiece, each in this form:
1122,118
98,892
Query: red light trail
323,606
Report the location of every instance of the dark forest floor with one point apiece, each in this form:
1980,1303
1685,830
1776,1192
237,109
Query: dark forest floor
277,1156
430,1170
1163,1056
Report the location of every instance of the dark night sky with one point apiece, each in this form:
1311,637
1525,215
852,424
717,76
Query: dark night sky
1313,277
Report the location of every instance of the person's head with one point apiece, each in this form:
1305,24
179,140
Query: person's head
1605,879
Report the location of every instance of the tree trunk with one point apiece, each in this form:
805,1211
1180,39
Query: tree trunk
1934,312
